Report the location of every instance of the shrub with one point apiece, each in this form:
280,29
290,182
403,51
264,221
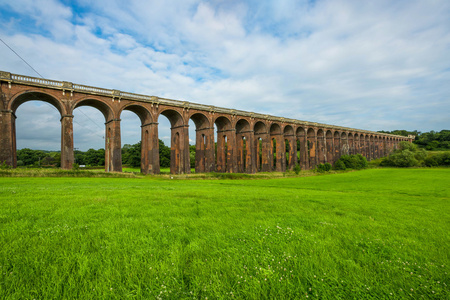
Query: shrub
440,159
339,165
356,162
297,169
401,158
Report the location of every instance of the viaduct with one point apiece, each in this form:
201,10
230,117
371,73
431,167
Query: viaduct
246,142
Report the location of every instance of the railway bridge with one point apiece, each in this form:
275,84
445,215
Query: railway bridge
246,141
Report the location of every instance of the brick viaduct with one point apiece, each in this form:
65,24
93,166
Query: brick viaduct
244,139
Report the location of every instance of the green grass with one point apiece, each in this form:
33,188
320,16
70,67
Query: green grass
372,234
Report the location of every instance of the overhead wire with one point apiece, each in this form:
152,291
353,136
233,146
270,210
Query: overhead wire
37,96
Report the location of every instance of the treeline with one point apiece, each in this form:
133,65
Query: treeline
131,156
429,140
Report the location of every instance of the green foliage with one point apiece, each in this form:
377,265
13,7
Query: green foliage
323,167
131,155
325,237
5,166
439,159
402,132
339,165
401,158
164,155
297,168
192,151
354,161
434,140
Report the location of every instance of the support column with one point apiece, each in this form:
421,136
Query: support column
304,163
329,149
231,149
204,150
321,150
292,152
179,150
265,152
67,154
113,149
149,149
8,138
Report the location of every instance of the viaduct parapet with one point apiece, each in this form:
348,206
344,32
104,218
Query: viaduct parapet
246,141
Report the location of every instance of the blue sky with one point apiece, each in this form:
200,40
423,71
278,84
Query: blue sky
376,65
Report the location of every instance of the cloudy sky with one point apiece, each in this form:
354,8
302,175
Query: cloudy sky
375,65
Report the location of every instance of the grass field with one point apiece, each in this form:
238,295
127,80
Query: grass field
372,234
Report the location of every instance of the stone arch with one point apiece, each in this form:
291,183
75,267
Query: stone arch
302,147
225,145
291,147
278,161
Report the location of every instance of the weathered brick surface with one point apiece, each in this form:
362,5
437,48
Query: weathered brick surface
244,140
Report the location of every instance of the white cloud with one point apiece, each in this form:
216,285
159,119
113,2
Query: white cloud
357,64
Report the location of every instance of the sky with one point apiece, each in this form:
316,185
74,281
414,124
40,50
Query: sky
373,65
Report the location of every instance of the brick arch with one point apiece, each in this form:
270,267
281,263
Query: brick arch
260,127
175,118
31,95
104,107
140,110
288,130
242,125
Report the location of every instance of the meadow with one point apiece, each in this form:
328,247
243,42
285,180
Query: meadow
371,234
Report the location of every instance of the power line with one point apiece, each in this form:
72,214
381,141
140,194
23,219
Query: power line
21,58
37,96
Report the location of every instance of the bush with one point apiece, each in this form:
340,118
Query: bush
297,169
401,158
326,167
339,165
354,161
441,159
